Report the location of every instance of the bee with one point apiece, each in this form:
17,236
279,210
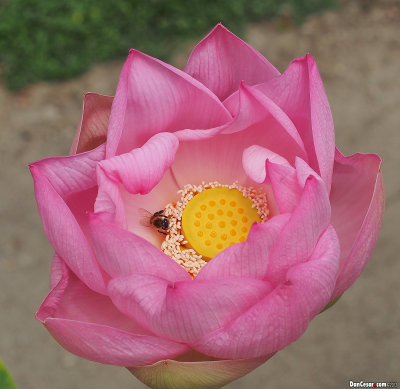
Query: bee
157,220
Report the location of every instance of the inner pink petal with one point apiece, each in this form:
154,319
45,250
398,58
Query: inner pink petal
218,158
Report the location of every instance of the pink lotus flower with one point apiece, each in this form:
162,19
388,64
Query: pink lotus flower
214,294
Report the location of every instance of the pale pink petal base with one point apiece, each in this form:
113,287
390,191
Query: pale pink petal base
172,374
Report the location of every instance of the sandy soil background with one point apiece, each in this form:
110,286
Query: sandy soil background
358,54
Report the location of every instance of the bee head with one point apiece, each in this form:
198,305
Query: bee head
165,223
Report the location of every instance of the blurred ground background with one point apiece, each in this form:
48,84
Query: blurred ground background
357,48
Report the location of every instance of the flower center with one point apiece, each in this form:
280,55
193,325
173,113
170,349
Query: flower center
208,218
217,218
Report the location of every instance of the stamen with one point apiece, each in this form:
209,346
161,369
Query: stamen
208,218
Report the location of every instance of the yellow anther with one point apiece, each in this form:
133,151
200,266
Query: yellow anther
233,217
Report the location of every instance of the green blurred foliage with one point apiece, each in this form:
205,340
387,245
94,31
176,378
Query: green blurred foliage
6,382
52,40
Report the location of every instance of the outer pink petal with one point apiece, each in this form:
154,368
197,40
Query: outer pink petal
171,374
222,60
62,228
258,121
186,310
71,174
74,179
92,130
300,235
283,315
71,299
357,199
154,97
300,93
120,252
248,259
88,324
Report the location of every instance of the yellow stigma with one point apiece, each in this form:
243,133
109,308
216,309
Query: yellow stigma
217,218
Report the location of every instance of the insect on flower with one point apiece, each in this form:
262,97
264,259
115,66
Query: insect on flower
157,220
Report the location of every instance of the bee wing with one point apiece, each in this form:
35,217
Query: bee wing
144,217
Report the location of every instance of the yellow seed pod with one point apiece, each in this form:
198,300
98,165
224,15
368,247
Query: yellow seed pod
217,218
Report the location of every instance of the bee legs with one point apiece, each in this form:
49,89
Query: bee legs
162,232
